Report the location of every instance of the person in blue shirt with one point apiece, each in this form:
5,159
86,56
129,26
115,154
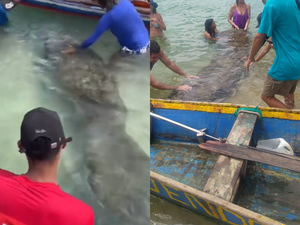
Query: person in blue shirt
4,8
125,23
281,21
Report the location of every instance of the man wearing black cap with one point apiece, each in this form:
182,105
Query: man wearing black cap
34,198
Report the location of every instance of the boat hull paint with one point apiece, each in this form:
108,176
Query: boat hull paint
74,9
174,154
205,204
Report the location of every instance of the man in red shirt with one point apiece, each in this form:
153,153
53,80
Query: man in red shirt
34,198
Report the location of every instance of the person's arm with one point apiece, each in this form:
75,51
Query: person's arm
249,15
155,84
172,66
160,22
263,52
230,15
207,35
256,45
103,24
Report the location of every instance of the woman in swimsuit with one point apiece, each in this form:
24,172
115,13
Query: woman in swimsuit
157,24
210,29
241,14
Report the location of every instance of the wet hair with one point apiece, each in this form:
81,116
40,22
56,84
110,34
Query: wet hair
207,25
154,47
107,4
40,150
237,2
154,5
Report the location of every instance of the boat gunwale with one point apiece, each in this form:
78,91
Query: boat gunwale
225,108
263,220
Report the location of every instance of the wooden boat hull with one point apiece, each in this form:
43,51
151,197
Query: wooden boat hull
269,195
81,9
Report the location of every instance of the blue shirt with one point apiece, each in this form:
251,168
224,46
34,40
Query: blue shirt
125,23
3,16
281,21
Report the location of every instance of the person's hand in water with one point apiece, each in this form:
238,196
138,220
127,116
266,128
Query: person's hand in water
69,50
190,76
249,62
184,88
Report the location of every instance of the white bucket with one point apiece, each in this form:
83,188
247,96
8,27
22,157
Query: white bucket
277,145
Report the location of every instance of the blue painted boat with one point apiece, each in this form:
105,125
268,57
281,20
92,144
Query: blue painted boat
81,8
195,179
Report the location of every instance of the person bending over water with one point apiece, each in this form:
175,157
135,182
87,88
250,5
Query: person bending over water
241,13
283,77
157,24
156,53
125,23
35,198
6,6
210,29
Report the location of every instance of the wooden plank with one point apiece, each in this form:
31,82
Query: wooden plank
224,179
284,161
259,219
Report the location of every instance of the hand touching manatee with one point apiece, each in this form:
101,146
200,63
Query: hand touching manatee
249,62
190,76
70,50
184,88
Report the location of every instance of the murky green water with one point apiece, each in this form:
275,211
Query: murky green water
185,46
22,89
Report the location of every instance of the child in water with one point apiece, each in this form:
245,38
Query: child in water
210,29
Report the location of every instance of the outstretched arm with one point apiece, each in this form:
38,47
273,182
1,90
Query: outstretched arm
103,25
172,66
155,84
230,15
263,52
249,15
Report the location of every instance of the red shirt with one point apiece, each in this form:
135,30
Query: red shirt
36,203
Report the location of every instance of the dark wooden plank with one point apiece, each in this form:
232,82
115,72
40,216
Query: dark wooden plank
224,180
278,160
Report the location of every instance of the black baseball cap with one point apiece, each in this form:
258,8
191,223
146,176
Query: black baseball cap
42,122
258,20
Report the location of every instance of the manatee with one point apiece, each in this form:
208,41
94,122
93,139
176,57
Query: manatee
219,79
118,167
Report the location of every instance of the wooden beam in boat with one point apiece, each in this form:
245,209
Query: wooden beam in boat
215,204
280,160
224,180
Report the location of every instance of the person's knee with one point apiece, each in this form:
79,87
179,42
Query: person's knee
266,98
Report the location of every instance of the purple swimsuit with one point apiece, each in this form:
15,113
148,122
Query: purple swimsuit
239,20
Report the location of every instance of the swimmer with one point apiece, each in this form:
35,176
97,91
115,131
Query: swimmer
157,25
125,23
210,29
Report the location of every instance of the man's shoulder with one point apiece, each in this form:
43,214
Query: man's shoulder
77,203
6,173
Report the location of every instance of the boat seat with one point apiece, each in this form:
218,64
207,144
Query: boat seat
224,180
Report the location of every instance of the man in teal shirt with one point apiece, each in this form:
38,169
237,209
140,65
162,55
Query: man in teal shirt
281,21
